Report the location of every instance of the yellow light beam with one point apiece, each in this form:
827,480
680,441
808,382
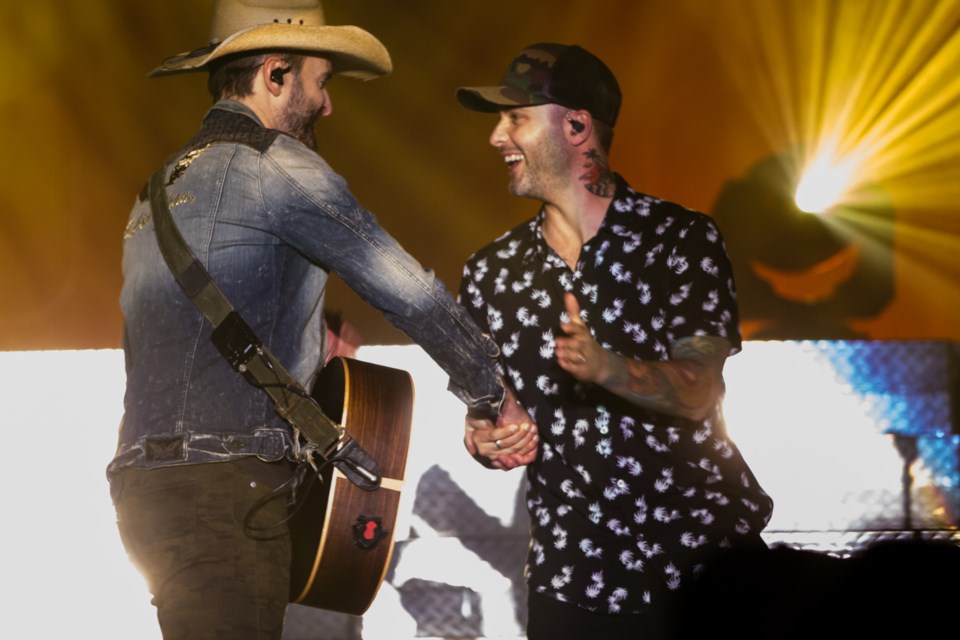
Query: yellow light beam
866,89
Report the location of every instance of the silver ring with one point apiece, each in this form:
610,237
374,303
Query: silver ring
582,358
499,446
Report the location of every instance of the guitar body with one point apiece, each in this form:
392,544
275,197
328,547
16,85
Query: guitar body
342,535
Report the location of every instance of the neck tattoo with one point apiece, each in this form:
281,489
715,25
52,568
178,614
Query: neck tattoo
598,179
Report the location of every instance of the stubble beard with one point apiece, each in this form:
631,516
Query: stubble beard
541,175
300,119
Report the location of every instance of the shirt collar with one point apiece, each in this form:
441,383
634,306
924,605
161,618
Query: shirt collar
234,106
539,247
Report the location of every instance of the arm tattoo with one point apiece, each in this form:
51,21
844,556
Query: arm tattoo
689,385
598,178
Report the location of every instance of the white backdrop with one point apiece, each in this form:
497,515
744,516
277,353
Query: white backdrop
64,572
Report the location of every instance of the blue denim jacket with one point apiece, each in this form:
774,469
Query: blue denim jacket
269,224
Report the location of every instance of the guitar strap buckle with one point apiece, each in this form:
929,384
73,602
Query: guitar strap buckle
356,464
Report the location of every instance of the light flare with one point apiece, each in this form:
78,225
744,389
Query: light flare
868,89
825,182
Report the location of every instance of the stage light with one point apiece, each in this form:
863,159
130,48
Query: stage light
858,102
824,183
869,89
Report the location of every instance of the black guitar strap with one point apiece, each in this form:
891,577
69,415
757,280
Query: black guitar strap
237,342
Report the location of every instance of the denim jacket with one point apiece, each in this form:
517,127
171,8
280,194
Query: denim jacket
270,220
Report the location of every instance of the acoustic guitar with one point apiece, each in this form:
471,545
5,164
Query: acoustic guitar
343,535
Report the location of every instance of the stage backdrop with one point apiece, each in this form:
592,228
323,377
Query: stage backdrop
855,441
726,103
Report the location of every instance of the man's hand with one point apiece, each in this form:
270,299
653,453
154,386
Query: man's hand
577,351
688,385
510,443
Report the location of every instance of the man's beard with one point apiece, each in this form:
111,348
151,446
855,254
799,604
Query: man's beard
543,174
299,120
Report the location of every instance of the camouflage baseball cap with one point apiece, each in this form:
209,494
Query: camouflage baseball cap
551,73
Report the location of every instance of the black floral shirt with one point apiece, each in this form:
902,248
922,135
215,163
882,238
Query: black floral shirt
624,503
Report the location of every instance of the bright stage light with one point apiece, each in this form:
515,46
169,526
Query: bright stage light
824,184
869,89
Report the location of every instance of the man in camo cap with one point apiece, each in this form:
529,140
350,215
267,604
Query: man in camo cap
614,312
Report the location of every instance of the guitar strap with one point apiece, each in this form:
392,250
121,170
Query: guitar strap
247,355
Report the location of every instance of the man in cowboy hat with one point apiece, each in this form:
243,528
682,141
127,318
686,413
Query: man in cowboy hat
636,482
269,220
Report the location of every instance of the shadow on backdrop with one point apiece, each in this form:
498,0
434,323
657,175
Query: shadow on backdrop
801,275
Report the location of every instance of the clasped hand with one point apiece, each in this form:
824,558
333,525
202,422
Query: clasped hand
513,440
510,442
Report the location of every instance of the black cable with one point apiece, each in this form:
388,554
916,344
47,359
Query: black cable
302,480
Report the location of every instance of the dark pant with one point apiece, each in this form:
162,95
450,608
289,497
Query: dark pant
550,619
182,527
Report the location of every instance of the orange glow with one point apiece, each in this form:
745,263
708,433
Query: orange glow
709,89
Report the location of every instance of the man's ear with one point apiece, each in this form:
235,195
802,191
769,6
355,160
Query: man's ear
272,72
577,126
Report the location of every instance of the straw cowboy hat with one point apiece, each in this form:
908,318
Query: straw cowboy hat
246,26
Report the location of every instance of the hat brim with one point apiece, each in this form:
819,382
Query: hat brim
352,51
492,99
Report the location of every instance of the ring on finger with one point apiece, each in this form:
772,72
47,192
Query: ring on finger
581,356
497,442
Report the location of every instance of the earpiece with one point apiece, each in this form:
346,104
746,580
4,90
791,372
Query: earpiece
277,75
576,125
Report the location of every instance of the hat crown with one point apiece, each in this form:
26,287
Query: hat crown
550,72
248,26
233,16
532,69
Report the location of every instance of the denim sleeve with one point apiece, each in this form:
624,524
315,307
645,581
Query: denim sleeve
311,208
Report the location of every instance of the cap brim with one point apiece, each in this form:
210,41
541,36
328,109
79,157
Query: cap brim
352,51
491,99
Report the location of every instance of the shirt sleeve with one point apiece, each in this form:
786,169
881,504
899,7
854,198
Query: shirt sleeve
312,209
701,292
